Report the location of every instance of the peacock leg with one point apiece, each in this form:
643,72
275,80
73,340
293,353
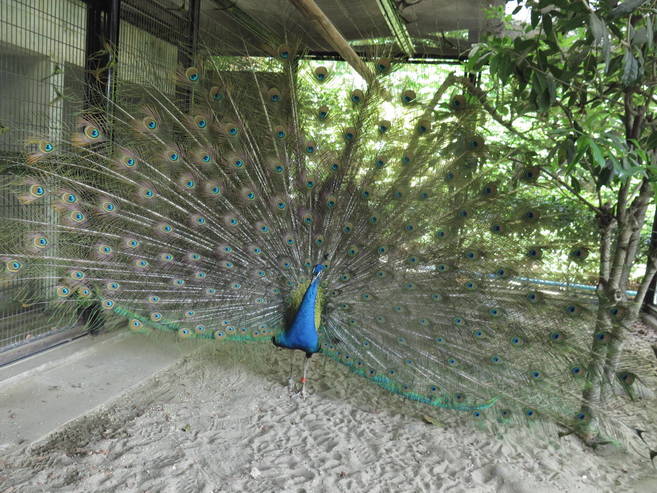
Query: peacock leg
290,380
305,373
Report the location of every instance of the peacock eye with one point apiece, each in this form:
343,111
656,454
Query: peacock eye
92,132
37,190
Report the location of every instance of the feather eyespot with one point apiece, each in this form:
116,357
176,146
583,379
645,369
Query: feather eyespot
192,74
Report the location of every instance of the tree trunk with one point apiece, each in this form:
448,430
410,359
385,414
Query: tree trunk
634,217
593,390
650,293
594,379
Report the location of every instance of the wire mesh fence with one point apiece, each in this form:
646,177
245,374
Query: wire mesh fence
44,50
41,63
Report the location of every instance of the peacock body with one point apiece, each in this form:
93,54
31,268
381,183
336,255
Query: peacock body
249,205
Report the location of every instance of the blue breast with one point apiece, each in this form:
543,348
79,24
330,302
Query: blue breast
302,333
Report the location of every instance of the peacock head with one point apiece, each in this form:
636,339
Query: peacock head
317,270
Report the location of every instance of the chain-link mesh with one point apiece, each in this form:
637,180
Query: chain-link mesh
41,66
43,52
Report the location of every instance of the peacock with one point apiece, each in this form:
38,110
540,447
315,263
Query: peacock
383,229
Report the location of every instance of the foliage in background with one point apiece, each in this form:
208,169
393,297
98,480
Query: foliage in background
575,91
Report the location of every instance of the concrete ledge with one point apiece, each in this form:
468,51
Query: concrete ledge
39,344
41,393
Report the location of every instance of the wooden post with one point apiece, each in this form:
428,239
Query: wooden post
325,27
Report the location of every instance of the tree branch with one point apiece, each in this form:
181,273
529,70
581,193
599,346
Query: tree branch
651,270
479,94
570,189
637,218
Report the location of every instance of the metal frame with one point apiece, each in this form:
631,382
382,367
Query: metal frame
397,28
415,59
102,35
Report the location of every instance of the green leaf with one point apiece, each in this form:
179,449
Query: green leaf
520,44
600,35
549,32
492,66
505,68
477,58
574,22
582,146
535,17
651,142
596,153
640,37
597,27
630,69
617,144
615,64
547,25
541,88
604,177
569,149
642,155
627,7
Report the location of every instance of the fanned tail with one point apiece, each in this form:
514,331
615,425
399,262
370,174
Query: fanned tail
206,217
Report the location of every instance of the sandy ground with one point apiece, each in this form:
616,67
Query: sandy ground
221,420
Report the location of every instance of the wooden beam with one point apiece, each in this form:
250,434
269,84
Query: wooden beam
328,31
396,26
